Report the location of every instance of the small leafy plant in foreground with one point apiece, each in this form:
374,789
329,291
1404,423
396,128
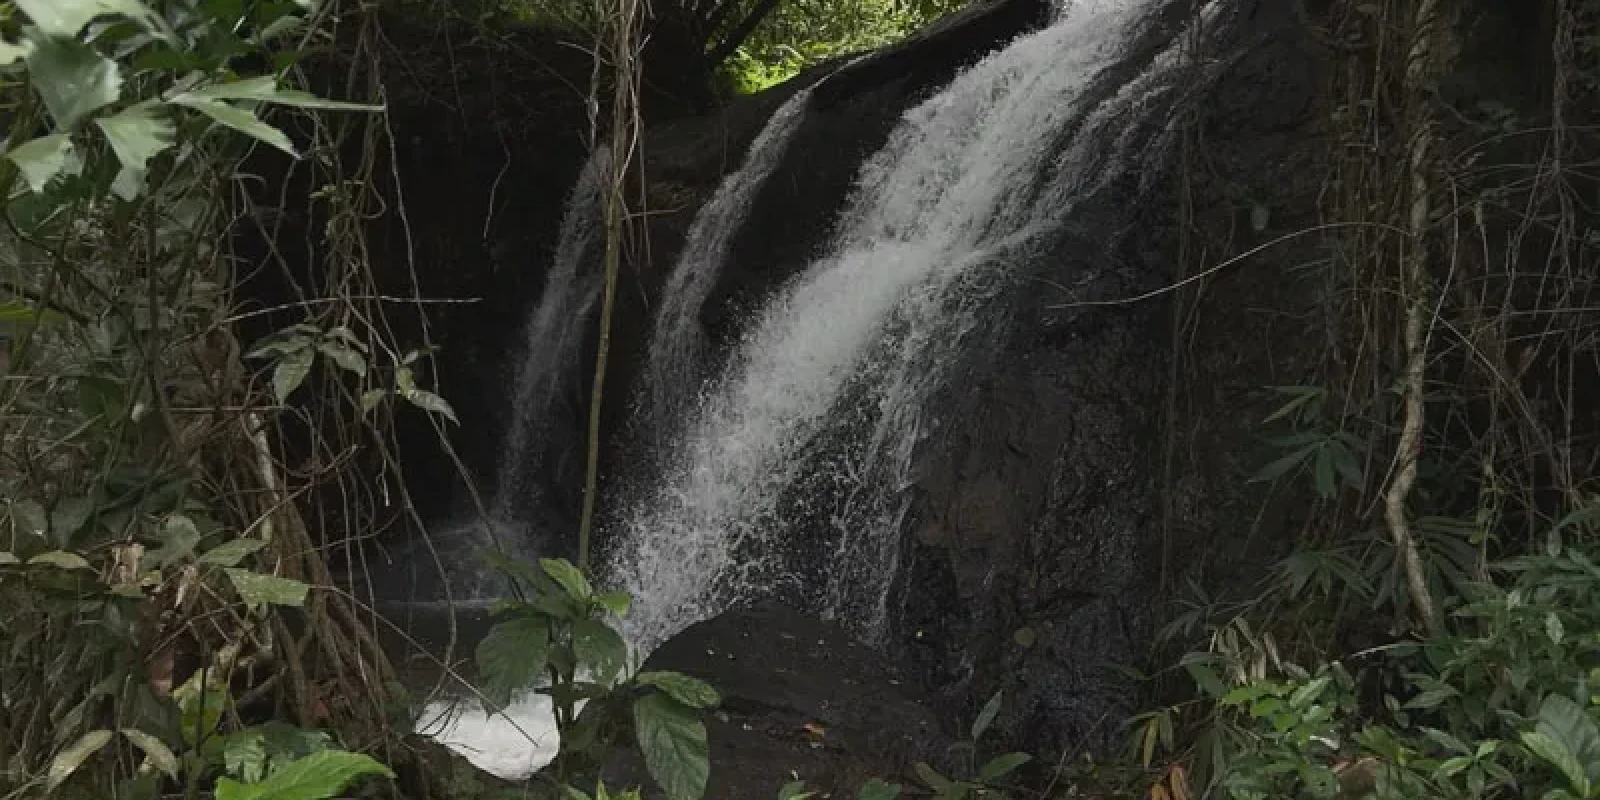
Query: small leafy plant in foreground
556,638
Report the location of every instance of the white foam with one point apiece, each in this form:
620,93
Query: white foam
512,744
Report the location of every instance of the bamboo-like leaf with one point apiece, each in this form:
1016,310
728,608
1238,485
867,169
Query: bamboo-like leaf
60,559
1003,765
986,716
67,761
239,119
265,89
161,757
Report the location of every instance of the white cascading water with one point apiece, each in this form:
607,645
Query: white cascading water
551,338
515,743
864,332
677,342
550,341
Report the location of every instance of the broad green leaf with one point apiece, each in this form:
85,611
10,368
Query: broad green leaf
72,79
512,656
291,371
200,706
265,89
161,757
986,715
1569,724
60,559
68,17
687,690
1003,765
137,134
673,741
599,648
244,755
347,358
67,761
318,776
239,119
430,402
258,589
879,790
41,160
569,576
232,552
1560,757
616,602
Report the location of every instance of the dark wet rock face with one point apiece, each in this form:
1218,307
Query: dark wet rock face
1037,551
801,700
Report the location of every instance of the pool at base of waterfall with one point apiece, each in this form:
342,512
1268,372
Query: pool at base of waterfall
512,744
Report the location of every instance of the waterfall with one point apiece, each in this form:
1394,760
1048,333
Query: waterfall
551,339
677,342
540,383
787,477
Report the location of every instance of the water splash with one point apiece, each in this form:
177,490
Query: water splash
797,454
677,342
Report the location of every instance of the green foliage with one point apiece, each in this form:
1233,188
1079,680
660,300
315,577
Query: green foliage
990,779
803,33
557,639
1503,705
1315,443
673,740
141,517
318,776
